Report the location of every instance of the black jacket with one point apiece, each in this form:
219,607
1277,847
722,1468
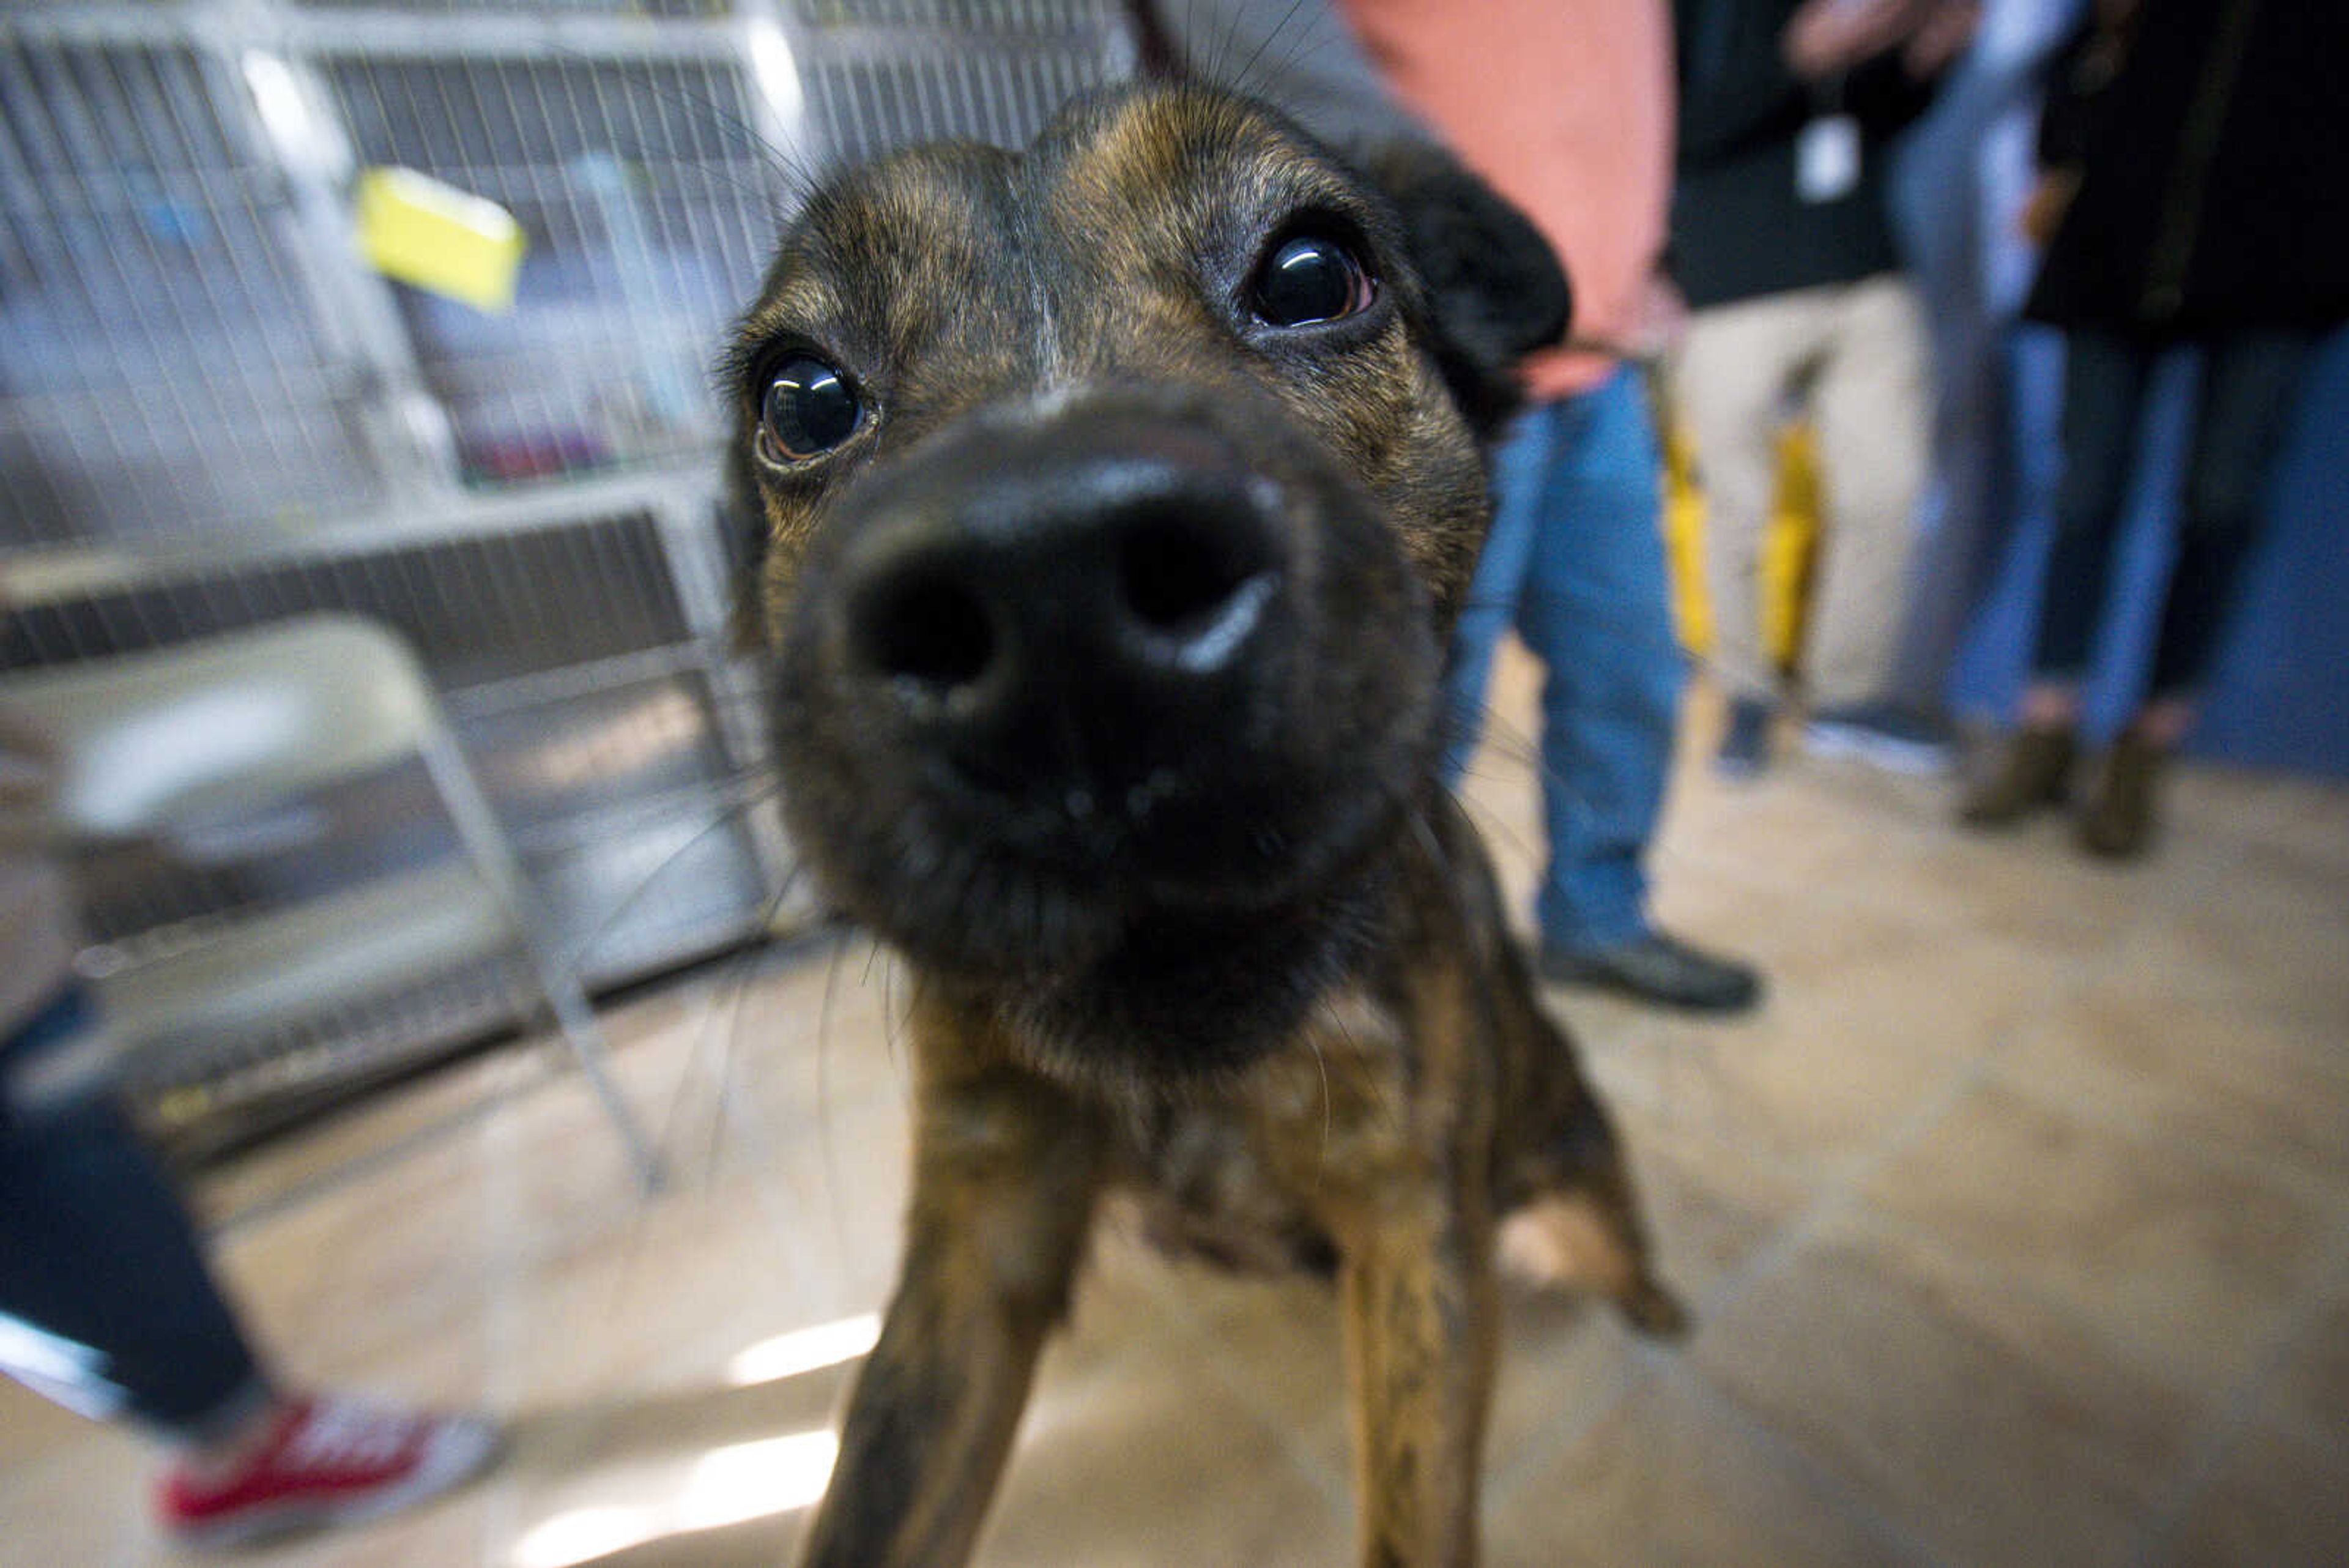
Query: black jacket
2214,167
1739,230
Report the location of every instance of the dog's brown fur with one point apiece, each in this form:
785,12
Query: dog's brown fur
1304,1040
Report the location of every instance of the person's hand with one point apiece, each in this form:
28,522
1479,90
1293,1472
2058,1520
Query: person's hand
1942,34
1663,318
2049,198
1828,37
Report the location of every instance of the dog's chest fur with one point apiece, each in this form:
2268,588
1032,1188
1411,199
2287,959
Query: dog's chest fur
1238,1176
1255,1170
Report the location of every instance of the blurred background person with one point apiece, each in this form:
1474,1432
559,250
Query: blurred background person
1566,110
1957,177
1781,245
106,1302
2194,158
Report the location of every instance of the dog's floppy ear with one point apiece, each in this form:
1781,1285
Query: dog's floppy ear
1496,290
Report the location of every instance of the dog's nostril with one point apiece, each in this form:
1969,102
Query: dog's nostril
928,629
1177,573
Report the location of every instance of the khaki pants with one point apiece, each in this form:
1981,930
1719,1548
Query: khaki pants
1852,358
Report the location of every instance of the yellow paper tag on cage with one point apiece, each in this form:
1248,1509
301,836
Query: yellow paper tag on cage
436,237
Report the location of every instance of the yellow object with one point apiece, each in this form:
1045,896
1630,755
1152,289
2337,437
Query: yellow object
438,238
1788,548
1684,543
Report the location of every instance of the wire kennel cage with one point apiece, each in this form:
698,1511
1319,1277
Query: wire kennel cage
214,412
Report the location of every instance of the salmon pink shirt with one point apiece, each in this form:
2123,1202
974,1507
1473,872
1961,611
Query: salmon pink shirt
1566,107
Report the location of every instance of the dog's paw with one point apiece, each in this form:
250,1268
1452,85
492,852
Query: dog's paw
1565,1242
1657,1313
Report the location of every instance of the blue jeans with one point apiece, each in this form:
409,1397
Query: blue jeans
1575,561
2249,380
105,1301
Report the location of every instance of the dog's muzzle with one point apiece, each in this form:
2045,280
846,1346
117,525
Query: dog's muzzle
1064,624
1067,668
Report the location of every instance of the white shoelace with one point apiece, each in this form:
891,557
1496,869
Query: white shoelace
340,1434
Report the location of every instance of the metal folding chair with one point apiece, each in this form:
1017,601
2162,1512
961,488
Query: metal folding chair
199,735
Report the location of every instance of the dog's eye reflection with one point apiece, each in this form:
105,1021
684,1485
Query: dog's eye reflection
1309,280
809,409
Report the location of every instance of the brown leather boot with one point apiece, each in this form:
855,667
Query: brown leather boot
2027,770
2117,821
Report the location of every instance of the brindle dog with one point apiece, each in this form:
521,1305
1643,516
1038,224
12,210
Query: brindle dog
1117,498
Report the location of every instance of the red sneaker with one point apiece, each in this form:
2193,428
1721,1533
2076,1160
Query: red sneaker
328,1461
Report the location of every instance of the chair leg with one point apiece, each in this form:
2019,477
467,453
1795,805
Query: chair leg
577,1019
485,842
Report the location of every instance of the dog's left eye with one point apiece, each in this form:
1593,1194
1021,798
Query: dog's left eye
1312,280
809,409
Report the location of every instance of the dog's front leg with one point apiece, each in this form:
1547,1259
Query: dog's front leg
1005,1168
1420,1308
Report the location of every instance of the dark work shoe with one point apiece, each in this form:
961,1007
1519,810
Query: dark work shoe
1745,741
2117,820
2020,774
1653,967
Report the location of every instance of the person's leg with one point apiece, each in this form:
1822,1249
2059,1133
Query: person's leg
105,1301
1520,479
1595,609
1735,366
2249,381
2104,382
1871,407
1946,180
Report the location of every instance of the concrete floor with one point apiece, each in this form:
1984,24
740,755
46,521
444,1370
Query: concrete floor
2017,1227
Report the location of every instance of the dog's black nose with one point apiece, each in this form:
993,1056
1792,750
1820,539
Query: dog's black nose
1164,587
1068,609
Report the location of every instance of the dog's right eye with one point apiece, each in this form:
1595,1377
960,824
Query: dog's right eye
809,409
1310,280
